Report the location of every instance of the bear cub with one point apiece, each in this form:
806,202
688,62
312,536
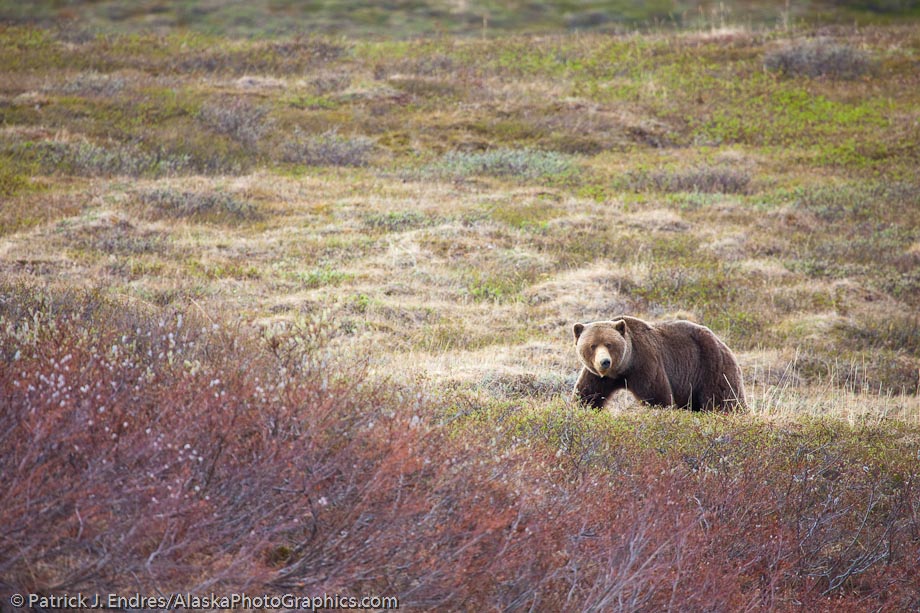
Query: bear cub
674,363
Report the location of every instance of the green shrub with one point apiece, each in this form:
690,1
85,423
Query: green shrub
12,179
94,83
863,201
818,58
396,221
239,120
320,277
328,149
120,238
171,203
707,179
516,163
83,158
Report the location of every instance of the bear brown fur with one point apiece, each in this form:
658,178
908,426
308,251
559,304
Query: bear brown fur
674,363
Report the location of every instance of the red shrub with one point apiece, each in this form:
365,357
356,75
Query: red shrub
160,456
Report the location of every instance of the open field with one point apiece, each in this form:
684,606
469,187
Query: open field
411,18
359,261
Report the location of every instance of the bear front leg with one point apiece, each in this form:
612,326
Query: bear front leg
592,390
655,390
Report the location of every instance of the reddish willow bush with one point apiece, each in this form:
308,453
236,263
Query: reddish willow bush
156,453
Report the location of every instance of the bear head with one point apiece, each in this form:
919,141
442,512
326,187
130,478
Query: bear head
603,347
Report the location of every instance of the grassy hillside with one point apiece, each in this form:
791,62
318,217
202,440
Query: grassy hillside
358,260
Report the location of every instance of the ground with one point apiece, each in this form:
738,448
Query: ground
457,204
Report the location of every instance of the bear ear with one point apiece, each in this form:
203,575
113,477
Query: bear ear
620,326
578,329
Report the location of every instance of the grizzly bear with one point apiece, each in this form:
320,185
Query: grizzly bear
674,363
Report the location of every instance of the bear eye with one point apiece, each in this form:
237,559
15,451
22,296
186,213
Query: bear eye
594,346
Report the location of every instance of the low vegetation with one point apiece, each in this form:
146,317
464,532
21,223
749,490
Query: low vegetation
819,58
210,205
520,163
167,448
328,149
293,312
706,180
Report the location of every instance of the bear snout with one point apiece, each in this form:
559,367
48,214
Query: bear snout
602,361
